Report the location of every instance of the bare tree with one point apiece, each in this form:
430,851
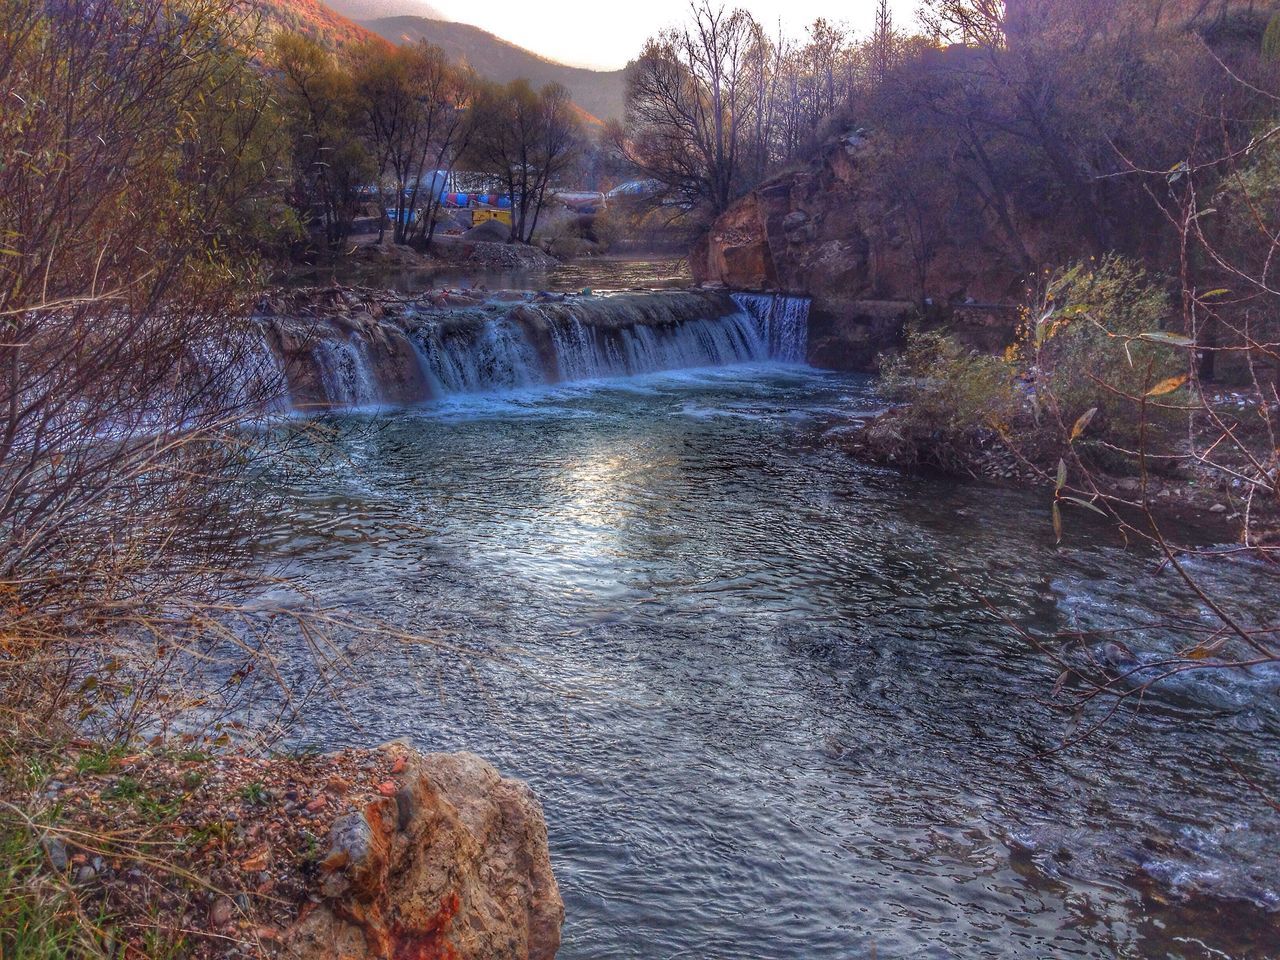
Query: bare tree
688,102
318,106
411,103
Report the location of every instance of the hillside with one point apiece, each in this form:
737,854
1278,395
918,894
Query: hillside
376,9
598,92
312,19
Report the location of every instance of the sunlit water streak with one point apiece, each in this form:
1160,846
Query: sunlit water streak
757,688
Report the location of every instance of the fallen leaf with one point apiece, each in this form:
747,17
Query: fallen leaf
1167,386
255,864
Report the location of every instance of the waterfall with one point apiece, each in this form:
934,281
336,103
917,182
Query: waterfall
495,356
784,321
497,346
585,353
765,327
346,373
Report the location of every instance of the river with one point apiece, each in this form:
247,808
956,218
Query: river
758,686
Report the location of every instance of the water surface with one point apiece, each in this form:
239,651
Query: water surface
758,687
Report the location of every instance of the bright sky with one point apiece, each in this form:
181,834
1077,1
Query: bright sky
592,33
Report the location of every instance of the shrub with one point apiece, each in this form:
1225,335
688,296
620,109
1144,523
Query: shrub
1089,356
955,399
1092,341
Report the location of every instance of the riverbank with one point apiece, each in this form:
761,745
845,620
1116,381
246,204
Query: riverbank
366,262
174,851
1184,493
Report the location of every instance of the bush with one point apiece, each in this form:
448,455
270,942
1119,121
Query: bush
955,399
1092,341
1090,360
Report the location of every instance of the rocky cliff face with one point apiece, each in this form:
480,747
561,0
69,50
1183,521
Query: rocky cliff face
823,232
451,865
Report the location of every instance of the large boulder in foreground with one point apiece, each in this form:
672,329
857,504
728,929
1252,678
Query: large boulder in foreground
452,864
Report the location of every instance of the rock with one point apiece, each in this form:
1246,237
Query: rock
86,874
221,912
826,231
794,220
456,865
1218,508
56,850
493,230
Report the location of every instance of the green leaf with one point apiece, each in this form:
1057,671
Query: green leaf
1062,474
1086,504
1220,292
1057,521
1164,336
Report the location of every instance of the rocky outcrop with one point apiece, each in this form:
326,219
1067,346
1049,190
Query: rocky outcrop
823,232
339,347
452,863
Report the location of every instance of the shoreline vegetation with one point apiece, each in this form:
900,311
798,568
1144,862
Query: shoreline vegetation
1090,402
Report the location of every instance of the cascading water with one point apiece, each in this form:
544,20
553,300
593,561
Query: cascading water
561,340
496,356
767,327
785,322
346,373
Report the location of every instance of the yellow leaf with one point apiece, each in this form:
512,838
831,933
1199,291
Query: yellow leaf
1167,386
1083,422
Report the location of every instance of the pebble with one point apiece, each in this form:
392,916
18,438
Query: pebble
1218,508
221,912
56,851
86,874
317,804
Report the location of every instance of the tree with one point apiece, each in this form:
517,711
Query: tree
410,102
330,164
124,339
689,99
525,141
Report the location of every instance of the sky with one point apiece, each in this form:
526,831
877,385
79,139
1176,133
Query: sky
605,35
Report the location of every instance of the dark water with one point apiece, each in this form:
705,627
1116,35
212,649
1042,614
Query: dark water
758,688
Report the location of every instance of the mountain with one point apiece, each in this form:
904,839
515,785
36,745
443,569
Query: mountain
599,93
312,19
377,9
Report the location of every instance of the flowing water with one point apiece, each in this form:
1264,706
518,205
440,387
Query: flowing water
757,686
